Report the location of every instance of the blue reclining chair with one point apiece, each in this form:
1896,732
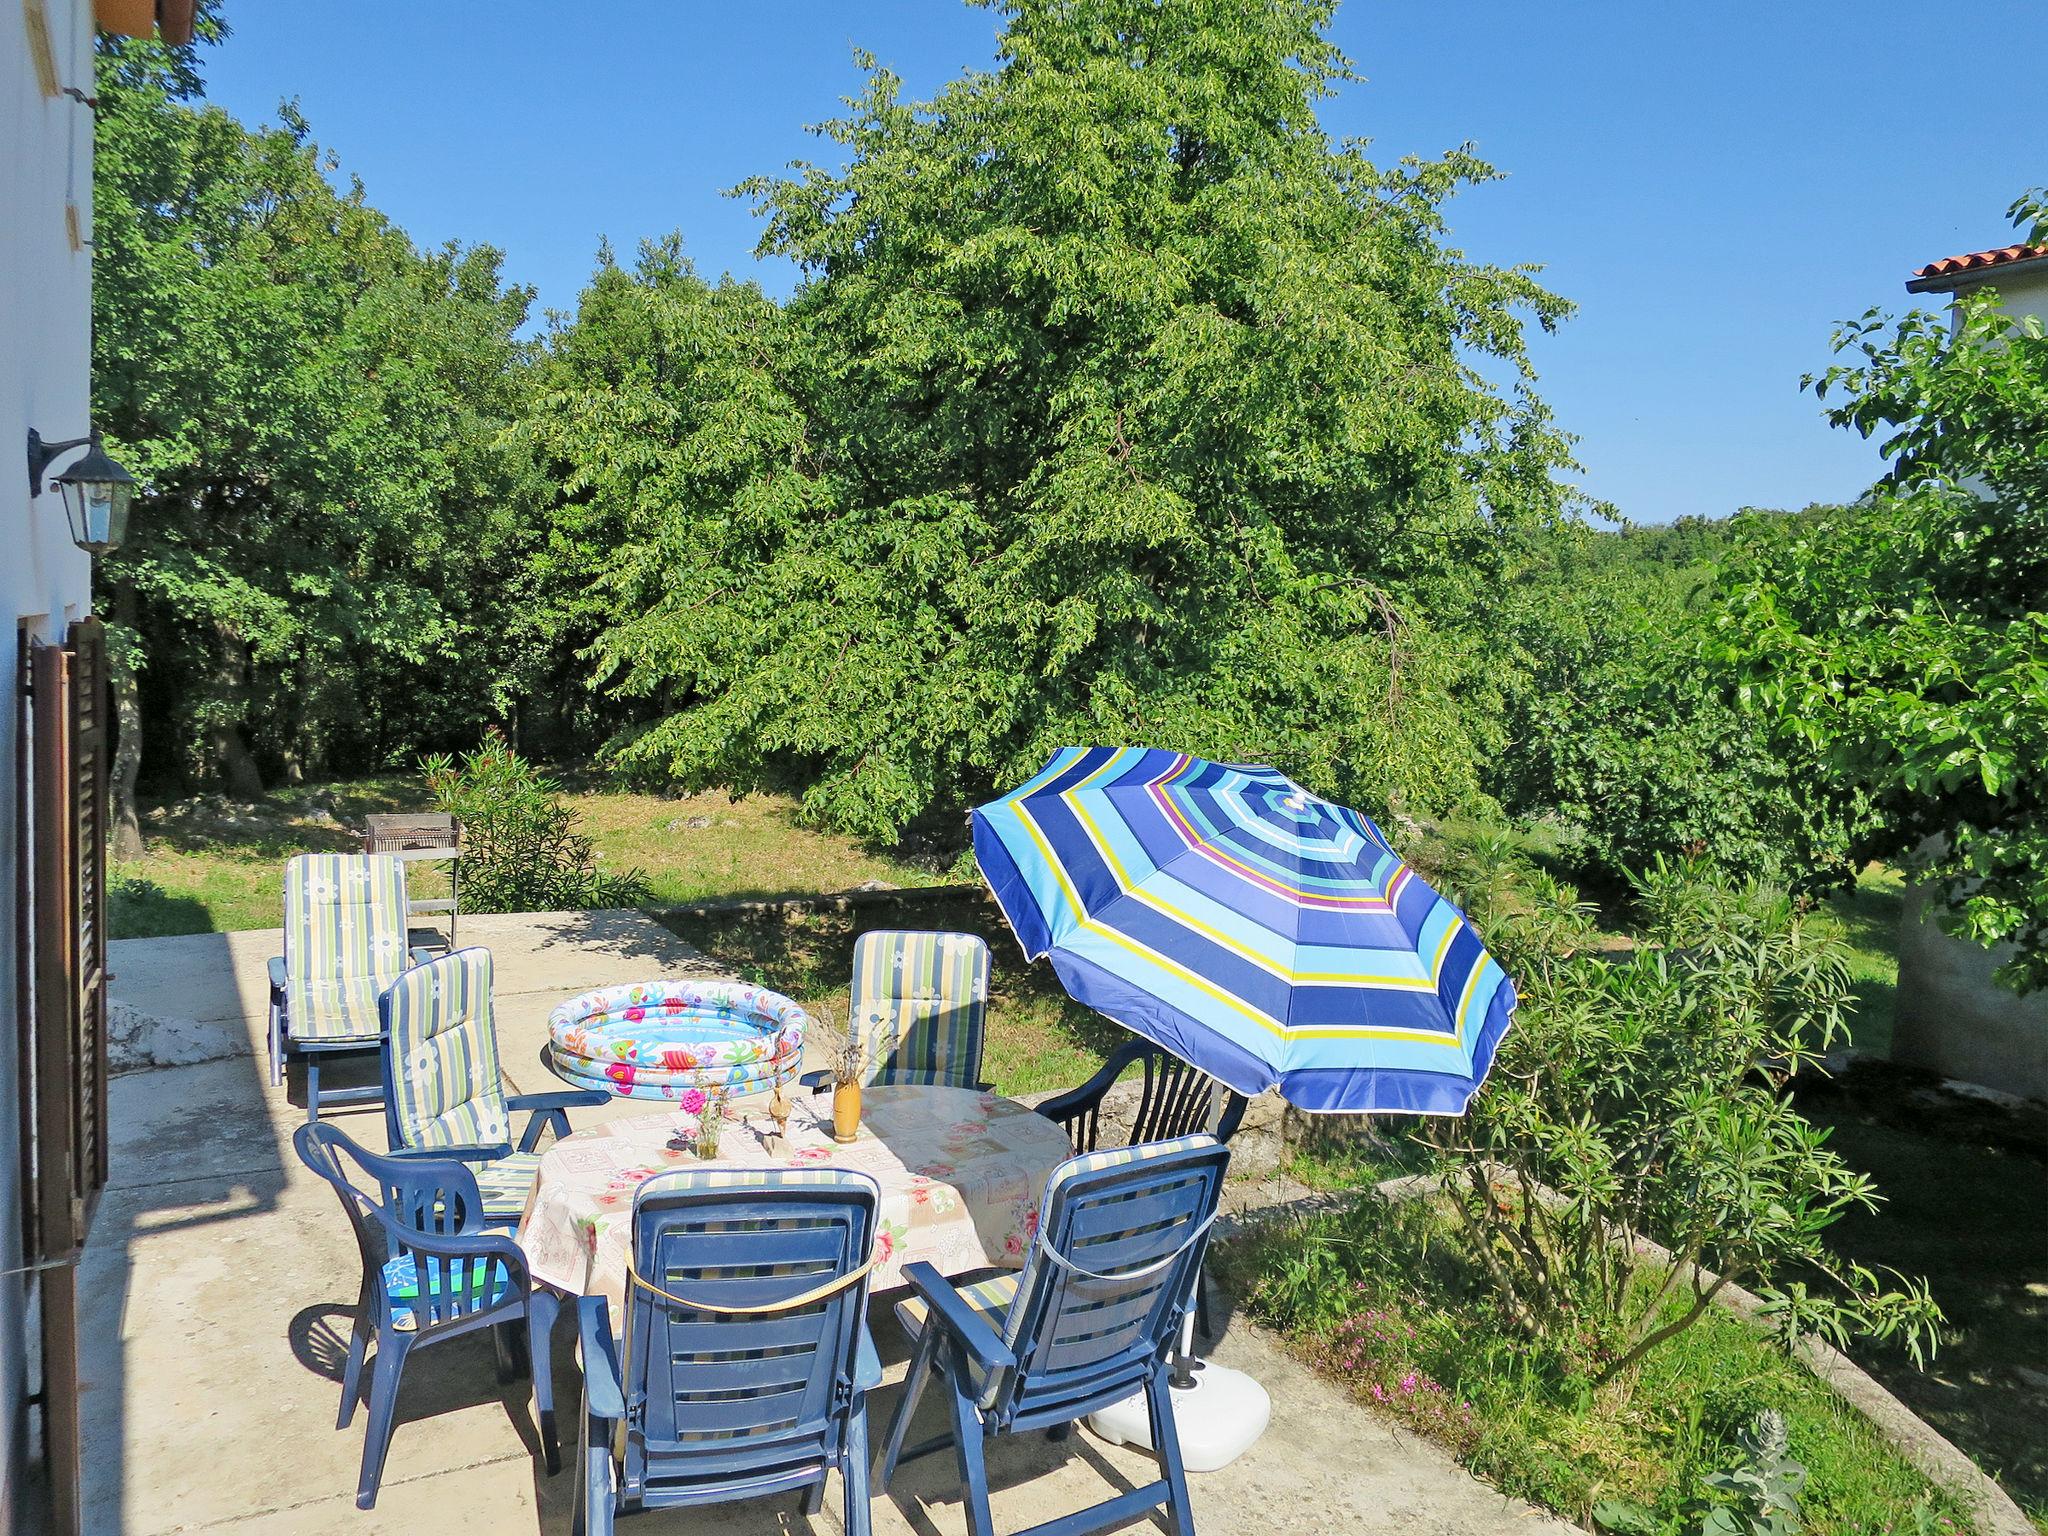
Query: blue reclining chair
430,1272
443,1092
919,1007
747,1361
1089,1321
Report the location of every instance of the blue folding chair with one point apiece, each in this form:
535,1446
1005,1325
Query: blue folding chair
444,1095
430,1272
1090,1320
747,1361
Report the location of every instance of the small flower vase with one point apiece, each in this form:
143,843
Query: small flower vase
846,1113
707,1133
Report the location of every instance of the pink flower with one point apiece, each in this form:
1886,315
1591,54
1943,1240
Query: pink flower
692,1101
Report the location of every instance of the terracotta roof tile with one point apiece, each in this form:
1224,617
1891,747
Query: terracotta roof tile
1976,261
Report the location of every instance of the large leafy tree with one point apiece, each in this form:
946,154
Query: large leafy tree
1906,641
1117,403
317,412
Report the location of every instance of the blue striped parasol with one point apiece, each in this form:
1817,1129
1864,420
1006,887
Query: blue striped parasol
1264,935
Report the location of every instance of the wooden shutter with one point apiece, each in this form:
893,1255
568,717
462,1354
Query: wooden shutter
64,1071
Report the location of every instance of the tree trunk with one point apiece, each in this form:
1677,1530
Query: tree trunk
125,836
237,766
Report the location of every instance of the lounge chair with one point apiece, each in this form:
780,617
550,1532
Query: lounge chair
444,1095
345,941
919,1006
1090,1320
746,1357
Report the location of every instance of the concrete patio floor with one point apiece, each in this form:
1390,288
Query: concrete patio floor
218,1285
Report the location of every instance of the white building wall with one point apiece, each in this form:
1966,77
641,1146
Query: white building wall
45,363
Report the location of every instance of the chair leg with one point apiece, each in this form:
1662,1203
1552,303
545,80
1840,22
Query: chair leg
854,1471
501,1353
542,1308
312,1090
1205,1325
967,1452
906,1405
352,1371
1180,1519
814,1497
385,1370
276,1046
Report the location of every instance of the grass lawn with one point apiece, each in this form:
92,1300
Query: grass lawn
214,866
1375,1296
1867,921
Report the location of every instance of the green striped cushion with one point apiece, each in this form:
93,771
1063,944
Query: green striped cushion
446,1087
920,1003
344,941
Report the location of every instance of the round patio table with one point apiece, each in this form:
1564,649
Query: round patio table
961,1173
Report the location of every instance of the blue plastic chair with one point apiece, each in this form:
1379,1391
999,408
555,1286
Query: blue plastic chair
444,1094
1090,1320
747,1361
430,1272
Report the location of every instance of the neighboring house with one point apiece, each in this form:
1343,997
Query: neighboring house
2017,273
1952,1018
49,973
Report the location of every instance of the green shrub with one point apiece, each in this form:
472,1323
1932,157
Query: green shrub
520,848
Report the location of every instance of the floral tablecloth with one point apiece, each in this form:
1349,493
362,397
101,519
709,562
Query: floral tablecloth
961,1173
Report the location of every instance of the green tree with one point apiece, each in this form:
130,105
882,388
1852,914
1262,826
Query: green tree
1905,642
317,412
1117,403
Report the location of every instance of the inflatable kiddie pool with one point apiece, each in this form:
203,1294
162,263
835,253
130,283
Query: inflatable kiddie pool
660,1039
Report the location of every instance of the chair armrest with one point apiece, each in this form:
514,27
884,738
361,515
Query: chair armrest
277,975
967,1326
603,1396
476,1154
462,1245
1065,1106
567,1098
420,955
817,1081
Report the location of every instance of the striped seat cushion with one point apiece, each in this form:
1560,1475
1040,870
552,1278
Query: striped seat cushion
344,942
332,1011
920,1003
447,1090
484,1285
506,1183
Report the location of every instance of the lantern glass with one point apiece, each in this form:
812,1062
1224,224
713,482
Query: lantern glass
98,511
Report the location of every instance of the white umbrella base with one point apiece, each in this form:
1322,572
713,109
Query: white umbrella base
1217,1417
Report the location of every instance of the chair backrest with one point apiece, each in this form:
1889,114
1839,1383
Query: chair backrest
344,916
1111,1274
442,1083
1174,1099
723,1394
920,1004
429,1207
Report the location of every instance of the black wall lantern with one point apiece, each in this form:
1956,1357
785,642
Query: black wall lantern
96,490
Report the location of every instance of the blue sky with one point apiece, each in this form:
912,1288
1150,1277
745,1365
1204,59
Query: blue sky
1713,186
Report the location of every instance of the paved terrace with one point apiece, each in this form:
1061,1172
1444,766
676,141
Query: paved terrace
219,1282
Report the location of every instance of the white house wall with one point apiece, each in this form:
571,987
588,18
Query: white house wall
45,361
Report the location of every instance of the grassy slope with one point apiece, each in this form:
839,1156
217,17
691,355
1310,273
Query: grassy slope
1417,1342
212,868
